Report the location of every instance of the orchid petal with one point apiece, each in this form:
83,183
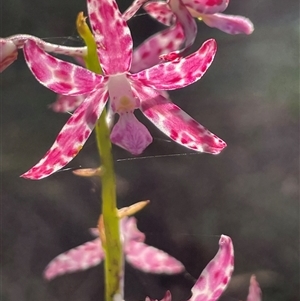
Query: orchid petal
178,74
8,53
207,6
130,134
133,8
67,103
57,75
9,46
188,24
229,23
254,290
112,36
216,275
160,11
72,137
148,53
20,39
144,257
80,258
130,230
151,260
177,124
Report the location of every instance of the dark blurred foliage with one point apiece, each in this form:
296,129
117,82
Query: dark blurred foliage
249,97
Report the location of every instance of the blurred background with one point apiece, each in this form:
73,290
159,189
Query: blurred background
249,97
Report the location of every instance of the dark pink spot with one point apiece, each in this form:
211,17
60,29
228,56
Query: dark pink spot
225,280
174,134
72,152
62,74
52,62
145,54
214,2
42,74
217,274
78,117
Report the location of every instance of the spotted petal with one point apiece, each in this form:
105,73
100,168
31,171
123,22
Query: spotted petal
130,134
254,290
112,36
149,52
80,258
229,23
67,103
160,11
9,46
167,13
188,24
151,260
130,230
144,257
178,74
216,275
207,6
133,8
8,53
57,75
72,137
176,124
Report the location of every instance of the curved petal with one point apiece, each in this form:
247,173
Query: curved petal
8,53
254,290
207,6
177,124
112,36
216,275
78,259
149,52
67,103
160,11
130,230
180,73
130,134
20,39
57,75
188,24
133,8
229,24
151,260
71,138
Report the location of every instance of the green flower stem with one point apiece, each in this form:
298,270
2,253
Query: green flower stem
111,241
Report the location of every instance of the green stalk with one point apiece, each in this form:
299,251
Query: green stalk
111,240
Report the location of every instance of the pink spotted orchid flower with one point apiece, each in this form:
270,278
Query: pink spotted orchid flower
208,11
146,55
215,277
126,91
143,257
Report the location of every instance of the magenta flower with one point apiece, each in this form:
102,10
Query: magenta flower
146,55
215,277
143,257
254,290
126,91
209,11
